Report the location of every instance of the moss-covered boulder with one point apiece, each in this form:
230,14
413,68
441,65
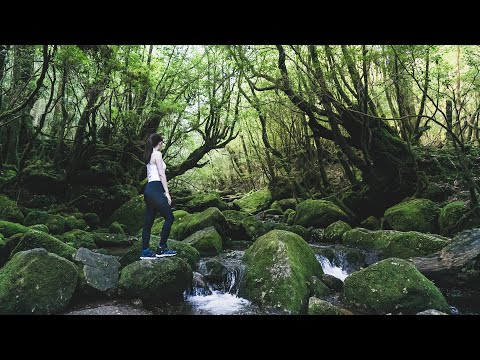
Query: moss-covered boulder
253,228
156,281
116,228
452,218
185,251
92,220
286,204
55,222
113,240
321,307
291,218
413,215
318,213
371,223
178,215
72,223
335,231
79,238
38,239
367,239
191,223
131,214
276,207
255,201
392,286
40,227
36,282
297,229
213,270
318,288
8,228
411,244
44,178
234,219
279,265
203,201
9,210
98,273
9,244
286,215
207,241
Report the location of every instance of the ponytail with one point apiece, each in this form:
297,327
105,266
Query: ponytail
152,141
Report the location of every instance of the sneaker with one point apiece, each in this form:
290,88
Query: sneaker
147,254
163,251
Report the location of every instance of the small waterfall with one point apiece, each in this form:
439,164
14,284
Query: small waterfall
333,269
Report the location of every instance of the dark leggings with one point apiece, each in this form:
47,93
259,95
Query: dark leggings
156,200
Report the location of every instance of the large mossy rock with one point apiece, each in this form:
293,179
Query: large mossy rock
279,266
92,220
286,204
395,243
98,273
156,281
36,282
253,228
234,219
451,219
38,239
413,215
72,223
297,229
392,286
191,223
79,238
371,223
318,213
43,178
335,231
131,214
321,307
56,223
207,241
8,228
185,251
255,201
9,210
112,240
203,201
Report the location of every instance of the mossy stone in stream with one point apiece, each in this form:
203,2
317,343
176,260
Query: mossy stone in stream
321,307
116,228
203,201
413,215
131,214
318,213
207,241
254,201
79,238
335,231
38,239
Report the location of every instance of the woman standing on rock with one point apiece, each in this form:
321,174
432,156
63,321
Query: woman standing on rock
157,198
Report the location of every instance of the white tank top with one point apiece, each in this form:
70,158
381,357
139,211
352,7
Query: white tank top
152,171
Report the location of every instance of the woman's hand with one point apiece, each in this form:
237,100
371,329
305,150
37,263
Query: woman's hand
168,198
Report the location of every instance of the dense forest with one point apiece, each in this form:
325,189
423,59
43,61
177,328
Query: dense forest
319,179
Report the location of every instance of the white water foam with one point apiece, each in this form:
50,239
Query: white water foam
218,303
330,269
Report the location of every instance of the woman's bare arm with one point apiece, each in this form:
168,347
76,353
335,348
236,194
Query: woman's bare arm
159,163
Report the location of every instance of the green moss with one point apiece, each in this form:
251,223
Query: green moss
413,215
72,223
278,267
78,215
254,201
253,227
92,220
79,238
234,219
36,282
116,228
291,218
318,213
9,210
318,288
368,240
392,286
38,239
371,223
156,281
191,223
8,228
297,229
131,214
203,201
276,207
411,244
452,221
286,215
185,251
207,241
112,240
335,231
54,222
40,227
286,204
43,178
322,307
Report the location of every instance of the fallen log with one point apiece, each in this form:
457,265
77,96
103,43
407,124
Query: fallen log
456,263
